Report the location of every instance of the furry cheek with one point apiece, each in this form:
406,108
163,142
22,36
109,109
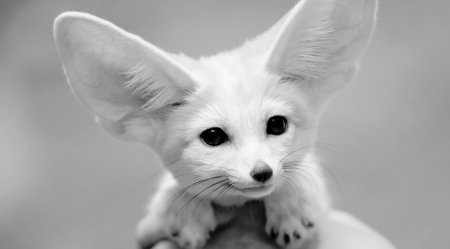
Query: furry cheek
205,160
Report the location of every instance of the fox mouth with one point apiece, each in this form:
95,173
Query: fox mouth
256,191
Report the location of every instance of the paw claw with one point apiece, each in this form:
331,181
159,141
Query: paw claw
307,223
286,238
273,233
296,235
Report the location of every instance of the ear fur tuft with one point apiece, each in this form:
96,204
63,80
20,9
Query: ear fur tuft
299,51
154,87
311,53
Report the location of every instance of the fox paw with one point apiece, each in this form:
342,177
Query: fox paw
189,228
288,224
192,231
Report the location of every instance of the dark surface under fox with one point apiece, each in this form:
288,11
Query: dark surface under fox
245,229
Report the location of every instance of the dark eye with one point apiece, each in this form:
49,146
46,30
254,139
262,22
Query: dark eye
214,136
276,125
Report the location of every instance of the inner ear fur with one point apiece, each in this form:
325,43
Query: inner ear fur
124,80
319,44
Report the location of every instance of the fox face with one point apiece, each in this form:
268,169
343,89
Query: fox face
240,131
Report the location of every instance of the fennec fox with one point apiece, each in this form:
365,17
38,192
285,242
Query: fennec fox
229,128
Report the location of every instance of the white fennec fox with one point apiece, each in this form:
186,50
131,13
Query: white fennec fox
229,128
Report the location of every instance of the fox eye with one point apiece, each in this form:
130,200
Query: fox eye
276,125
214,136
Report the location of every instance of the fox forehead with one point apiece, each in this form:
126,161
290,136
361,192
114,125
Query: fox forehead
240,96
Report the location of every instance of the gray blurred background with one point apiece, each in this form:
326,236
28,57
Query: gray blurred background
64,183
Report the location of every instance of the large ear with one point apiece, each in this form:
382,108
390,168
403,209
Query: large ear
125,81
319,43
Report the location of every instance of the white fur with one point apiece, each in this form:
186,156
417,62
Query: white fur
141,93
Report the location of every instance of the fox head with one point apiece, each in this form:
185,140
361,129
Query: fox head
243,119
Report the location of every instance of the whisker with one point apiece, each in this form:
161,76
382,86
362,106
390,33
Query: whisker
287,180
195,196
316,145
335,180
303,174
293,173
302,169
221,182
179,194
228,186
165,181
225,183
153,175
334,127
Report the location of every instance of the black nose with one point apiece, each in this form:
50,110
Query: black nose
261,172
